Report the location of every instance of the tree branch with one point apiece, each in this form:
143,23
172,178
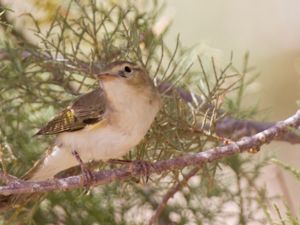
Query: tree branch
234,128
195,159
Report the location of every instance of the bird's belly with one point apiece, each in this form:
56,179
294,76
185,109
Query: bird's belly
115,137
100,144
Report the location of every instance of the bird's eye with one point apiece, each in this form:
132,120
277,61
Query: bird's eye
127,69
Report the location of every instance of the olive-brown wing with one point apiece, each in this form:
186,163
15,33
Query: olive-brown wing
87,109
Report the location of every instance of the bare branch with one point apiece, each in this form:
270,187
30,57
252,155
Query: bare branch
234,129
197,159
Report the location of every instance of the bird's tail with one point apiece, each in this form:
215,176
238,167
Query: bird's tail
9,202
54,161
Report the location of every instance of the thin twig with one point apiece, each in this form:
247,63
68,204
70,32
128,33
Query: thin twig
285,190
170,194
195,159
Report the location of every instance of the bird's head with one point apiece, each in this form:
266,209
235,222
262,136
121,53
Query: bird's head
128,88
120,74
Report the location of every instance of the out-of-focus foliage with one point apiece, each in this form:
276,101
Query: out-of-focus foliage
38,78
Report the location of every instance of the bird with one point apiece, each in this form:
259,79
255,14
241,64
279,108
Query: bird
103,124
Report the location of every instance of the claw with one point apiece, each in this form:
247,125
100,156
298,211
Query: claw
144,167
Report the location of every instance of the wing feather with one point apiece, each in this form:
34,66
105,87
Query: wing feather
87,109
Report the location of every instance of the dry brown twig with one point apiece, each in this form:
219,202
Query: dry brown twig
195,159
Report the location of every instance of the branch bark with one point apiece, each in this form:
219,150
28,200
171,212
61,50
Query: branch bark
195,159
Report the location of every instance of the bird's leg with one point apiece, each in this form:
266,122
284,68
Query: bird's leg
86,173
141,168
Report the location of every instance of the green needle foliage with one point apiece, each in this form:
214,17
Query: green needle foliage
41,76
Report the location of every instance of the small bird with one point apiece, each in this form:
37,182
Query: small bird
103,124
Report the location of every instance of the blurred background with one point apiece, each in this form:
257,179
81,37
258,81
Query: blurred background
270,31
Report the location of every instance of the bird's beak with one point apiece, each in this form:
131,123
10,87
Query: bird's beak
107,75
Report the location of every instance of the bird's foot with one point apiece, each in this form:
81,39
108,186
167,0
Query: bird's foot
141,169
87,175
